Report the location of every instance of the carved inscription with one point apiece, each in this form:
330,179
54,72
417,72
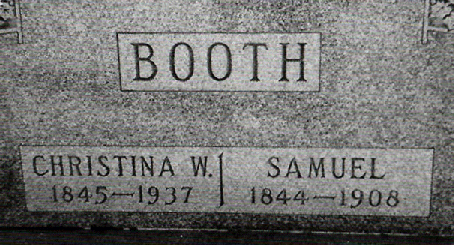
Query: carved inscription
256,180
204,62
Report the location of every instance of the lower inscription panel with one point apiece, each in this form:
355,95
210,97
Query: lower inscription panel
228,179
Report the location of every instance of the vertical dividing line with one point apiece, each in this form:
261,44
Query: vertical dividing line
425,22
19,17
221,182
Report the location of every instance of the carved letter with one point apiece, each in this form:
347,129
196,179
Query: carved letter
137,58
35,168
229,62
255,62
285,60
172,62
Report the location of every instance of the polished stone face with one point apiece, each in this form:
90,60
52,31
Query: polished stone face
219,62
228,180
379,88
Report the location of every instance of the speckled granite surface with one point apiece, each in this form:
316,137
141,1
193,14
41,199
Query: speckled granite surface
380,88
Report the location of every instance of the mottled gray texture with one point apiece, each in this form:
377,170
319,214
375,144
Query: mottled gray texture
380,88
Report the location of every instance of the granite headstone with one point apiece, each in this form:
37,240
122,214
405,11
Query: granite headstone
294,115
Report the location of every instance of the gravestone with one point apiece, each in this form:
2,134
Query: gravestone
326,116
